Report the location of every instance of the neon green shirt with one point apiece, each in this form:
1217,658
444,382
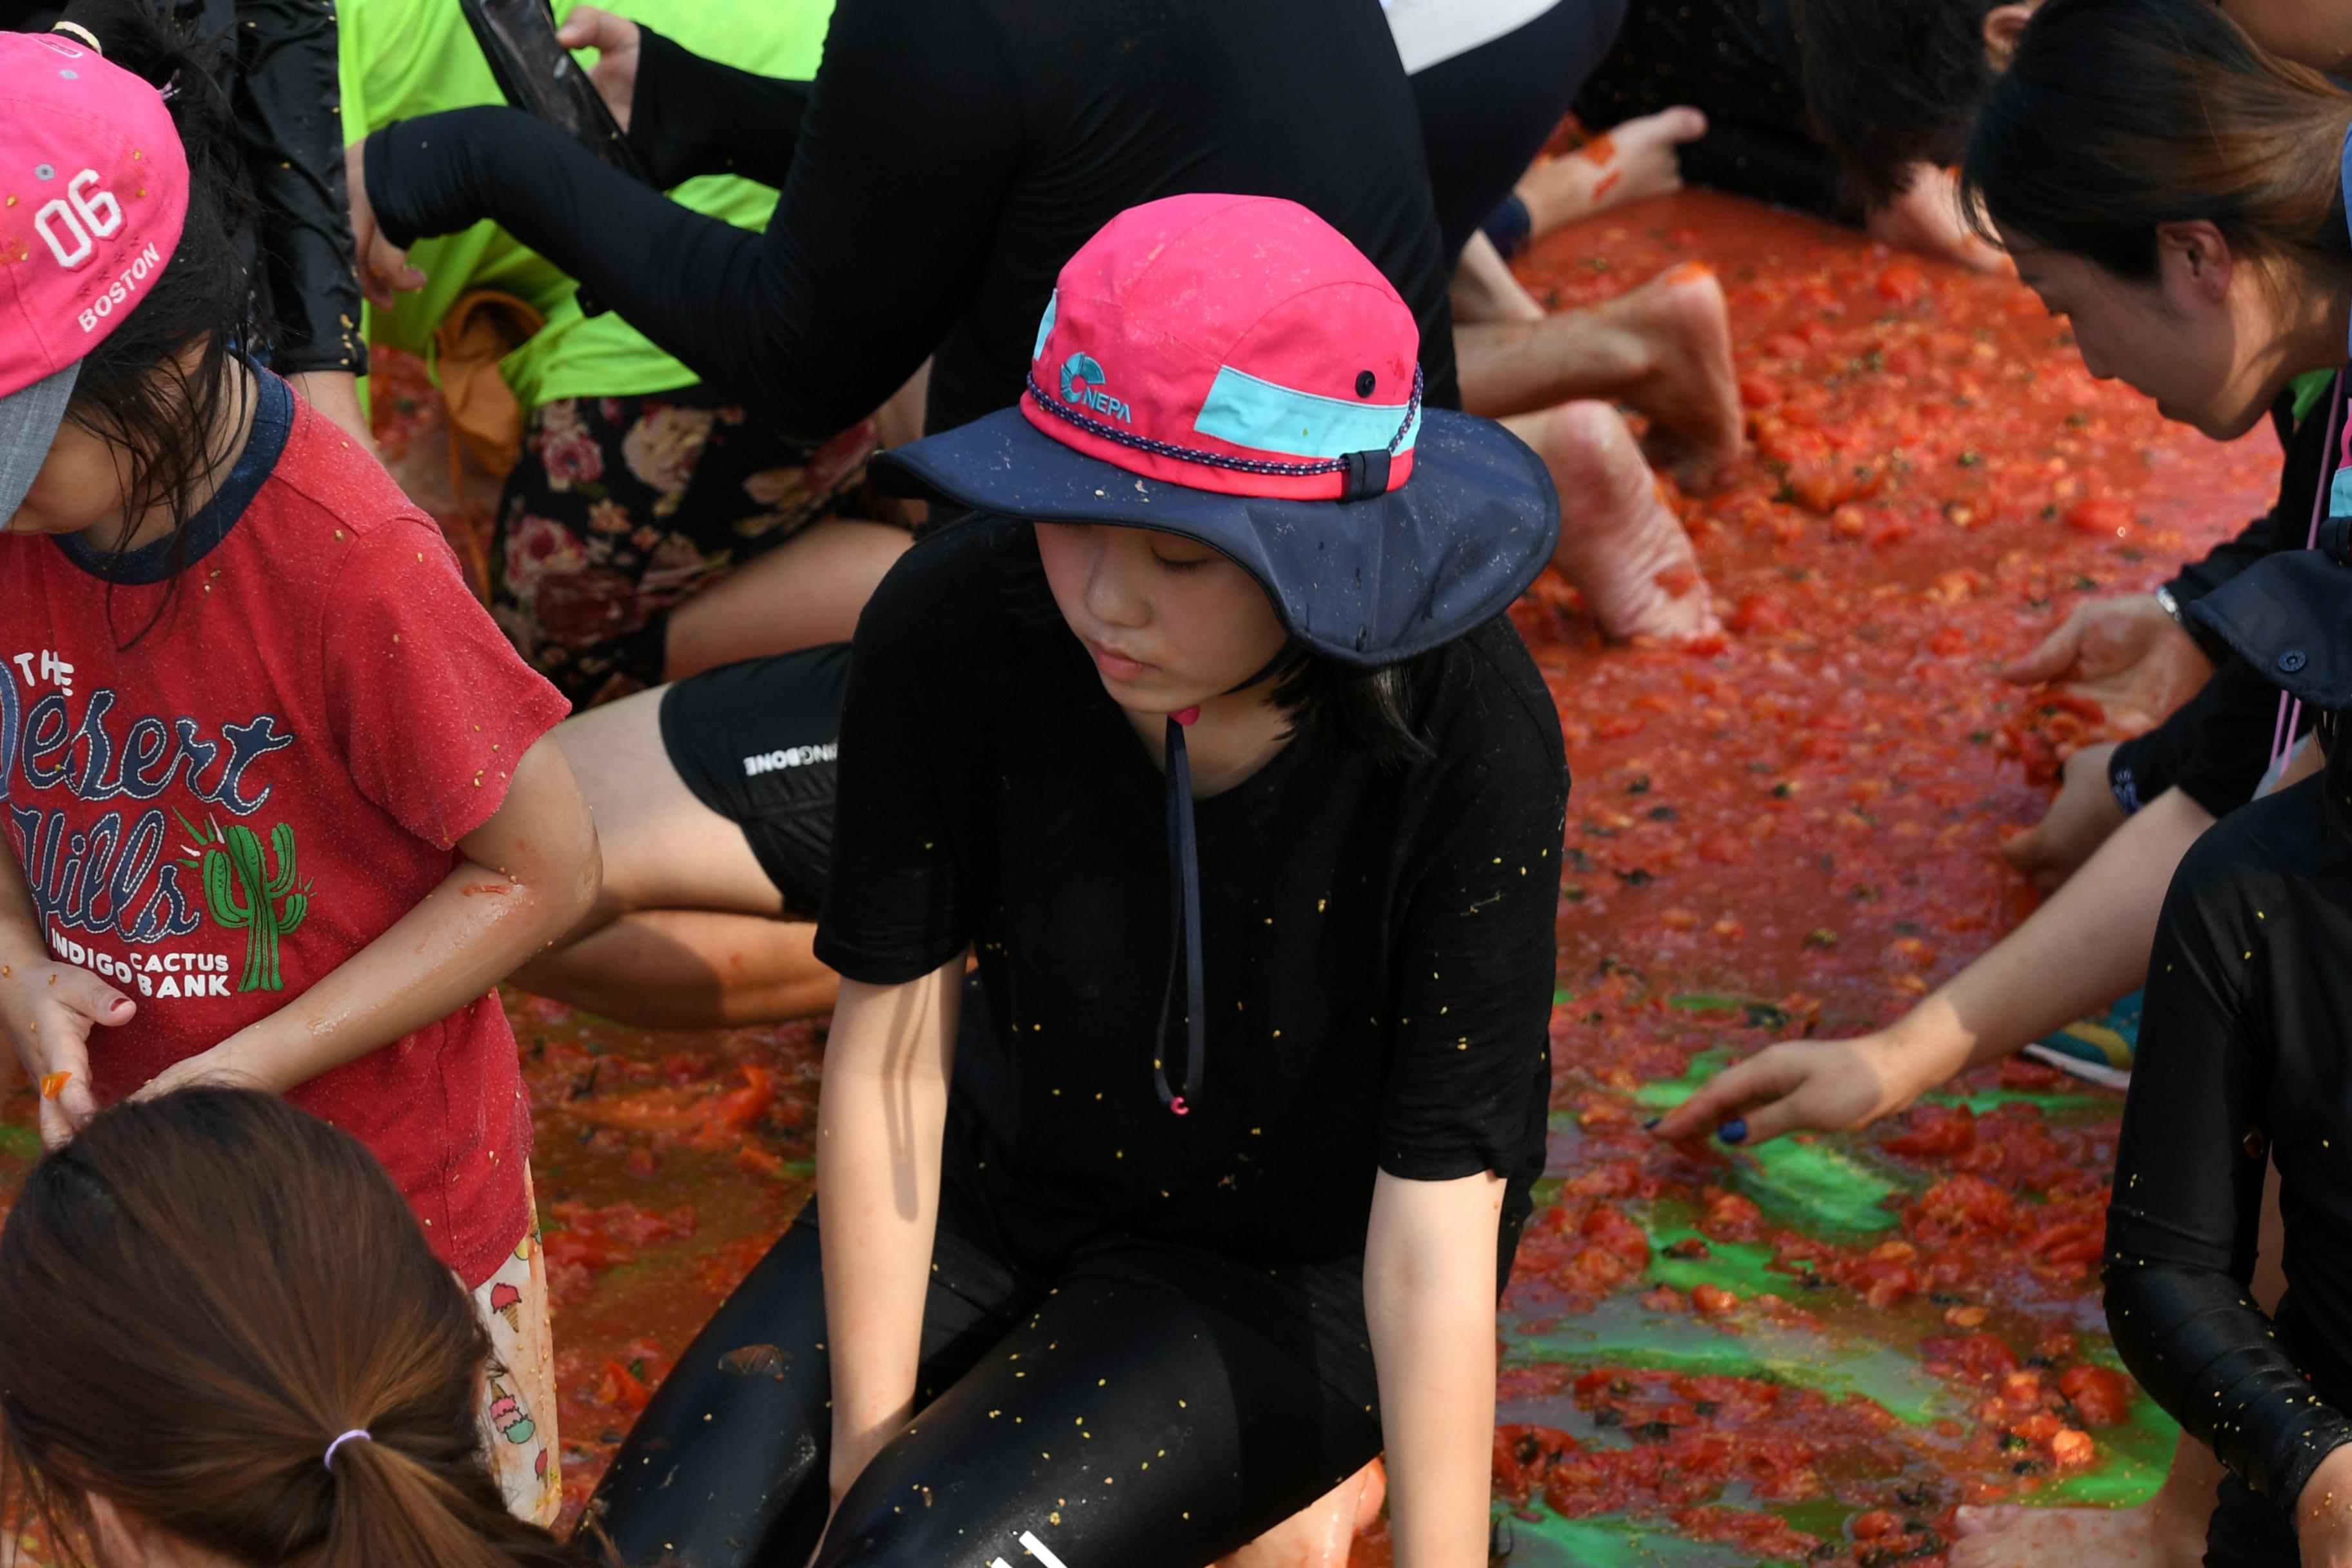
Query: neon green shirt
406,57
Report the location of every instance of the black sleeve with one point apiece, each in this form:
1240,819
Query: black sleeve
288,99
2214,748
893,907
879,241
2285,526
2188,1186
1476,945
694,116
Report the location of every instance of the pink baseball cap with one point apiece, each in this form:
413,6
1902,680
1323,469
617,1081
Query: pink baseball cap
93,191
1231,369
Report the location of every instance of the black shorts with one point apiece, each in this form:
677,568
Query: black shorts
756,742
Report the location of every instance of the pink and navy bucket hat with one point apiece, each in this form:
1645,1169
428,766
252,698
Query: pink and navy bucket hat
93,194
1231,369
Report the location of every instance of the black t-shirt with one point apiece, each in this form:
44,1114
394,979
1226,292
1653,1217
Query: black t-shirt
2245,1048
954,154
1378,942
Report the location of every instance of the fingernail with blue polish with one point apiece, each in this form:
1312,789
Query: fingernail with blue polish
1653,1122
1734,1131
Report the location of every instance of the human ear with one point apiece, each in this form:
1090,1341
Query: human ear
2194,255
2002,24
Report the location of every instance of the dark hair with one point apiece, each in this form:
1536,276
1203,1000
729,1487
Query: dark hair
1374,713
1891,83
197,1295
159,390
2117,116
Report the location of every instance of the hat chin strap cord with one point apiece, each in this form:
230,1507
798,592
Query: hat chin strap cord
1184,921
1184,900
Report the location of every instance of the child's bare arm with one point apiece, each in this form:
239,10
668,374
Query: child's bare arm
48,1009
531,872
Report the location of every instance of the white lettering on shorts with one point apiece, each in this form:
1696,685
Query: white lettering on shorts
790,757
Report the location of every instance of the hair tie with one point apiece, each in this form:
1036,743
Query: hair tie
84,34
171,89
359,1432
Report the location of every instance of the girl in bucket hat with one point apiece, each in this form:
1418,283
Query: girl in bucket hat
279,809
1206,733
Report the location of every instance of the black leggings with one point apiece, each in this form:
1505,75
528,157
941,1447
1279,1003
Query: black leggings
1488,111
1144,1405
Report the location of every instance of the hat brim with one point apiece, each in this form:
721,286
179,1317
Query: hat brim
29,420
1366,582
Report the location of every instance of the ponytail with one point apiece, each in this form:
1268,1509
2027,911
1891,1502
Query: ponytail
391,1509
197,1297
159,389
2115,116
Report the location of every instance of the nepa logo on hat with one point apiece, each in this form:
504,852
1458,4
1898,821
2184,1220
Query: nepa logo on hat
1080,377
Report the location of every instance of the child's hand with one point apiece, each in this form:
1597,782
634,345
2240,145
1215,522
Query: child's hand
49,1010
1797,1086
223,1067
617,42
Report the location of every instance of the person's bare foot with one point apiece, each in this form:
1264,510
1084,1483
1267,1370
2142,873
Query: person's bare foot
1620,543
1686,384
2018,1537
1627,163
1318,1535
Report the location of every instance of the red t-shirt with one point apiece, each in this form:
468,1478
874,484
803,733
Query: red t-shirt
216,810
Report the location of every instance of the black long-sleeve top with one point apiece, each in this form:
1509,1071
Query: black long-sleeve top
2245,1049
281,71
952,155
2216,746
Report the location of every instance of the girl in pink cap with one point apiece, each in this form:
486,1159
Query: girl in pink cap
1206,735
278,808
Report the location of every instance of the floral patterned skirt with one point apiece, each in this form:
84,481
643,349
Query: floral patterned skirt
621,507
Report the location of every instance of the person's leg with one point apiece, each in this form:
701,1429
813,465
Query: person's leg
1620,543
518,1416
623,512
1663,348
1125,1421
807,591
689,931
1323,1533
727,1465
690,968
1485,288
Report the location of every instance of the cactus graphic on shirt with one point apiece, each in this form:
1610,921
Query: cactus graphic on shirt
255,892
